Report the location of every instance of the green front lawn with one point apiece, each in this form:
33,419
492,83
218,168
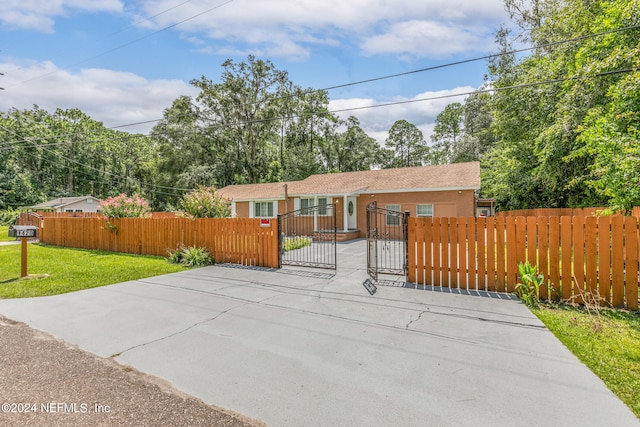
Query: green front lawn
54,270
607,341
4,234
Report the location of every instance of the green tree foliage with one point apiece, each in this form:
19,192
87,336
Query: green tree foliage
256,126
46,155
565,117
407,143
446,134
350,150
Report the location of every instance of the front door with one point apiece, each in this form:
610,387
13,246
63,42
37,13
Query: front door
352,213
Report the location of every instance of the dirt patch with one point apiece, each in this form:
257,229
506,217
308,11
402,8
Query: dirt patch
46,382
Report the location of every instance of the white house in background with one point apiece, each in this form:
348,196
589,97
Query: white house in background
69,204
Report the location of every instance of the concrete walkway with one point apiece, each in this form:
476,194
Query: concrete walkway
294,348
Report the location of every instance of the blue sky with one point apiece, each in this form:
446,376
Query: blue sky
123,61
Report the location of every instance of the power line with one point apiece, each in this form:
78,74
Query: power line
132,41
409,101
481,58
450,64
421,70
44,147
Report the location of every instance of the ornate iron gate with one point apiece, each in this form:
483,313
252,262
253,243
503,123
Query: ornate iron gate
308,237
387,242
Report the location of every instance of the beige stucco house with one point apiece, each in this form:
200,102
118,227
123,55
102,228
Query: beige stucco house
438,191
69,204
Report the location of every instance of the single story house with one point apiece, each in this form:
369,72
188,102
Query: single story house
436,191
68,204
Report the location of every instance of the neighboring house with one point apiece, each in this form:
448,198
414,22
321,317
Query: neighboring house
435,191
69,204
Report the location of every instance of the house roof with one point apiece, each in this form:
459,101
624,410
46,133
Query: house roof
457,176
62,201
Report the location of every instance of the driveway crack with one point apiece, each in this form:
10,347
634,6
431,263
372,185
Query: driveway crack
416,319
179,332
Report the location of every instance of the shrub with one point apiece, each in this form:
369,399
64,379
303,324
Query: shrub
298,242
8,217
123,206
528,290
191,256
204,202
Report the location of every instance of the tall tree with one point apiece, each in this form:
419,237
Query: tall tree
446,134
548,152
407,143
350,150
241,115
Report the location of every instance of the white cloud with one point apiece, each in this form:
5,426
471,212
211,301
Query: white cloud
426,39
39,14
112,97
420,110
287,29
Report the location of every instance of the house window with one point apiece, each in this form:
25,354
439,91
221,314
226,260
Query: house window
424,210
308,203
263,209
393,220
305,205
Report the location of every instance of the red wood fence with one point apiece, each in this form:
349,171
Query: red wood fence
233,240
593,256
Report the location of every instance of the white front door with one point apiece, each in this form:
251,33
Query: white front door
352,214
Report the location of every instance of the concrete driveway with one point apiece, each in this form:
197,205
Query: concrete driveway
295,348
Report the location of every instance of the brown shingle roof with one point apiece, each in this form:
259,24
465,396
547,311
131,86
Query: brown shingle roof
426,178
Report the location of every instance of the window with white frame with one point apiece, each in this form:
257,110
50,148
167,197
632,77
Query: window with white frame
393,220
307,203
263,209
323,210
424,210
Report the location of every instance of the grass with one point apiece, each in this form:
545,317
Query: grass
607,341
54,270
4,234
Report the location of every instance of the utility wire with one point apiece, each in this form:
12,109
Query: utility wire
388,104
487,90
421,70
44,147
481,58
130,42
450,64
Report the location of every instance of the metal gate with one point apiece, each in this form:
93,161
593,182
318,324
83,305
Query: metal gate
387,242
308,237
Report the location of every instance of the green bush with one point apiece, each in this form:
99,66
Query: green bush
298,242
191,256
204,202
7,217
528,290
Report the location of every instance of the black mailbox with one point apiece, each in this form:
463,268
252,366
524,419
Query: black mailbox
22,231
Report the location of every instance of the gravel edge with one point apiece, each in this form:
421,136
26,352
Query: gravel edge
45,381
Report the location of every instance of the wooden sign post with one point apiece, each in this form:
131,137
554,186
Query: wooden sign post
23,232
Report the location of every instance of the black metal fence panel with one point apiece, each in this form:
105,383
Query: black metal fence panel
387,240
308,237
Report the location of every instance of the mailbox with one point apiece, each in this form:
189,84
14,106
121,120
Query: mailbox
22,231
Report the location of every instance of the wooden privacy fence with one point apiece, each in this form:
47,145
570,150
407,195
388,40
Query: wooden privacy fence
593,256
232,240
